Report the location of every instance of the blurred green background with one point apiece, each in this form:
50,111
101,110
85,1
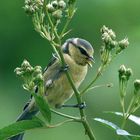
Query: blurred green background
19,41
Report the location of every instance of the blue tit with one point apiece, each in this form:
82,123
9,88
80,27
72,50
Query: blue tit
78,55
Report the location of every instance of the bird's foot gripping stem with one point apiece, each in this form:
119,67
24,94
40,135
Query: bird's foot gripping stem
80,106
65,67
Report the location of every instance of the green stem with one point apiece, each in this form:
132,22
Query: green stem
65,115
79,100
61,123
128,112
99,73
124,122
122,105
98,86
52,26
54,48
130,106
50,21
65,27
56,125
135,109
77,93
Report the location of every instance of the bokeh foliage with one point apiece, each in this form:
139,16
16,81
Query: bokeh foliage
19,41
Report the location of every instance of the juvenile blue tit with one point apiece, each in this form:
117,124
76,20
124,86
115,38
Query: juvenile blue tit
78,55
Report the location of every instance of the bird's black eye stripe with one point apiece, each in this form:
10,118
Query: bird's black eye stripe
83,51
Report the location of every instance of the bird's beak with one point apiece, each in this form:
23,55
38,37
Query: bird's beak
90,61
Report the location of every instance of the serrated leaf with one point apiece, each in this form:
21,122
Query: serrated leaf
19,127
133,118
118,130
43,107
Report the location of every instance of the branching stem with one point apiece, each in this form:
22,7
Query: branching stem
99,73
65,115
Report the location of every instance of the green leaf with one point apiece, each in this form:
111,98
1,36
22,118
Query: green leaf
118,130
19,127
43,107
132,118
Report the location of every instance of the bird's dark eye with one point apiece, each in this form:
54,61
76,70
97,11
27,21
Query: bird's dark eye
83,51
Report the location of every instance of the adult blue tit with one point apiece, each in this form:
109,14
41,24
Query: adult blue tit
78,55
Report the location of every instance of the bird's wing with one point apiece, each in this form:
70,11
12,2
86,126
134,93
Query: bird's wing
49,81
52,61
52,72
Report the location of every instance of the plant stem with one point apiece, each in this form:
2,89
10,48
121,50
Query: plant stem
56,125
61,123
65,115
79,100
65,27
99,73
99,86
58,50
131,107
123,106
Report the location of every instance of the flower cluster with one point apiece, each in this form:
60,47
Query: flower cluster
110,43
108,37
123,44
136,101
124,73
32,6
56,8
32,76
124,76
137,85
47,15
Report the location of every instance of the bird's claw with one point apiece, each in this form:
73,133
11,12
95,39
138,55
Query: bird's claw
81,106
65,67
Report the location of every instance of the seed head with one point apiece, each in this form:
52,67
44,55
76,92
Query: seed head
50,8
57,14
62,4
122,70
123,43
55,4
137,85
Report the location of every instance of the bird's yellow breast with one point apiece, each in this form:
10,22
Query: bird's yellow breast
61,90
78,72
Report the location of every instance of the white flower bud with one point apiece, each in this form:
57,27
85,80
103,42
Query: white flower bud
104,29
37,70
50,8
128,73
54,4
39,78
25,64
62,4
57,14
124,43
111,34
106,38
137,85
122,70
